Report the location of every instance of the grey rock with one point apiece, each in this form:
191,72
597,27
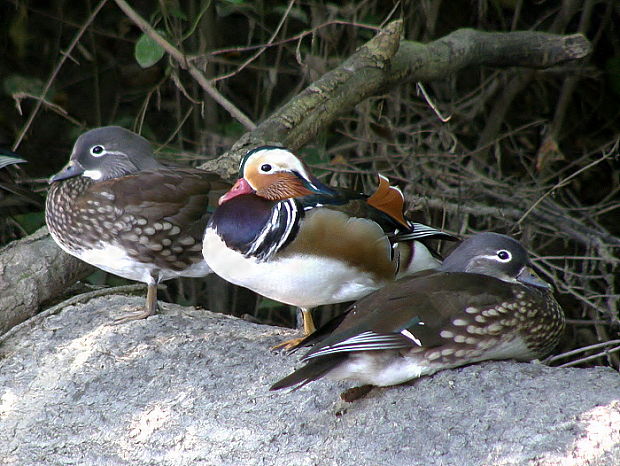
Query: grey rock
189,386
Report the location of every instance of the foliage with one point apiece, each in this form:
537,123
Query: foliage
147,51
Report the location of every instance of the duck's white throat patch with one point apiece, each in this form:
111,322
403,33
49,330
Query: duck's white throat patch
93,174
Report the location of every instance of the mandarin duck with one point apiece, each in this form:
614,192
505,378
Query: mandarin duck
115,207
285,235
484,302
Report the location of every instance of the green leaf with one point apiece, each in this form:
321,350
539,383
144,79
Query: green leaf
232,129
100,278
270,304
148,52
18,31
228,7
314,156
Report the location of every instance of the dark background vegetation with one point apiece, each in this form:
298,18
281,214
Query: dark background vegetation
546,139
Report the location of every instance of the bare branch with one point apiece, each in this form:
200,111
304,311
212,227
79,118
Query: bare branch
32,271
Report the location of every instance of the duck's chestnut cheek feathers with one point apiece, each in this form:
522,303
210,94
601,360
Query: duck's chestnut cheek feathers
240,187
277,186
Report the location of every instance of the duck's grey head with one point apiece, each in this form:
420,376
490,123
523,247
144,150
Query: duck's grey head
496,255
108,152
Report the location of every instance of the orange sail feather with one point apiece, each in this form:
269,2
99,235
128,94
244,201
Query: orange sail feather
389,199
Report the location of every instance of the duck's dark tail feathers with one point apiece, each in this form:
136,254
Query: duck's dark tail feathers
313,370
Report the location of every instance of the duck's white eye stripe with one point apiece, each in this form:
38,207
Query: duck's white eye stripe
502,256
279,160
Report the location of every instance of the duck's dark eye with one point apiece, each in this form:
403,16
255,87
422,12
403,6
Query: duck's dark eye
97,150
265,168
504,255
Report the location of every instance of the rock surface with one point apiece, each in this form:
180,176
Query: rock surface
191,387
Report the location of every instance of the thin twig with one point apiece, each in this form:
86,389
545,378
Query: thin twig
48,84
581,350
562,183
590,358
432,104
19,96
180,58
176,130
265,47
296,37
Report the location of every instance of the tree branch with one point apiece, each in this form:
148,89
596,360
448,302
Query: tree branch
385,62
34,270
468,47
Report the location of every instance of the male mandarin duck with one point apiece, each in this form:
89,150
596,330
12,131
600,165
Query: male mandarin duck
483,303
117,208
285,235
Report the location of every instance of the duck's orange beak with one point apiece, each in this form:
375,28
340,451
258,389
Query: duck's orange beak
240,187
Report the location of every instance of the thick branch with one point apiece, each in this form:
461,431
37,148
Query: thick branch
386,61
312,110
32,271
468,47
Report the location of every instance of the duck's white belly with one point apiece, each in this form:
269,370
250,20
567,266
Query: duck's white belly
384,368
303,280
114,259
381,368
